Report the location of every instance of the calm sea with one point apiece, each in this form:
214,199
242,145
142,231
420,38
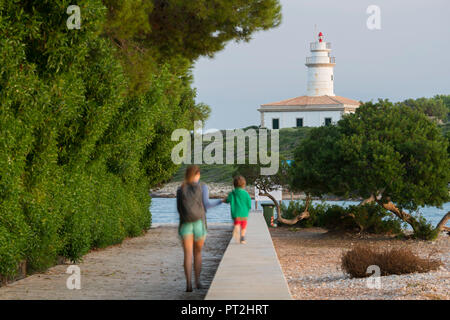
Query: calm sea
164,211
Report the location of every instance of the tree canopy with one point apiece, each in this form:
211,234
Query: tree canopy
389,153
432,107
178,32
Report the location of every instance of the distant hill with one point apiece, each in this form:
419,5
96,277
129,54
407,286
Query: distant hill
290,138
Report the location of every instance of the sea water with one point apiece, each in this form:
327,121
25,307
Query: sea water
164,211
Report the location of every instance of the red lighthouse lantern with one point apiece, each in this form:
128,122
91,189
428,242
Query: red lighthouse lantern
320,37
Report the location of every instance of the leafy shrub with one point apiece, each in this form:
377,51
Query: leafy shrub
369,218
390,261
424,230
296,207
77,154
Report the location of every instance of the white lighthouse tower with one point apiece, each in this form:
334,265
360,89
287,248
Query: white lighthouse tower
320,106
320,69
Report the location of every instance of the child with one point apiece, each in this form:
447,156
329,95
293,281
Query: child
240,203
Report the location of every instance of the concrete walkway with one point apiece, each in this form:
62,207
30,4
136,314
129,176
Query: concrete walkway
251,271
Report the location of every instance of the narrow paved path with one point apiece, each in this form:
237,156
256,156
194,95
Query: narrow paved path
251,271
147,267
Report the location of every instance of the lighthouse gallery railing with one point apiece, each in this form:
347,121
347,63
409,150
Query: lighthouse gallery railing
311,60
317,45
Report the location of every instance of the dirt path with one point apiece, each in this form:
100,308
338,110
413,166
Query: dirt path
148,267
311,258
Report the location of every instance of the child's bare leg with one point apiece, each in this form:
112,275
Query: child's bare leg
243,231
236,232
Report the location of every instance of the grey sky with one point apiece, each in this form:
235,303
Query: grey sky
408,57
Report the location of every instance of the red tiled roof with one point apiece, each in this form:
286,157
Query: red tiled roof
310,101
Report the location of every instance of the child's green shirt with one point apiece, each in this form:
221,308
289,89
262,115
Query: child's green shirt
240,203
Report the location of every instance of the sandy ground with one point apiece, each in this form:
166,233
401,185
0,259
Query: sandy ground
147,267
310,259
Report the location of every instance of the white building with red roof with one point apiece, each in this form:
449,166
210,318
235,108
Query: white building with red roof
320,106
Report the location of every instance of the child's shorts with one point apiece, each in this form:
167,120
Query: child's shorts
240,222
196,228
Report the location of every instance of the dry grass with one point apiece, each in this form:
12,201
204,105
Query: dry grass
394,261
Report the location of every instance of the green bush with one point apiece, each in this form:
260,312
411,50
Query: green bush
77,154
337,218
296,207
425,230
370,218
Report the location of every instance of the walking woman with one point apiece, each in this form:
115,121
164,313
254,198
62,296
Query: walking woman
192,203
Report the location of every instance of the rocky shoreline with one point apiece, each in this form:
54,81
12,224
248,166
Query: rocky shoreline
216,191
221,190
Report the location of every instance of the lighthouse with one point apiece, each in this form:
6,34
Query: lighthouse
320,106
320,69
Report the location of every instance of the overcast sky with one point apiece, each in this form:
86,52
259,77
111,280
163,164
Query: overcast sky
408,57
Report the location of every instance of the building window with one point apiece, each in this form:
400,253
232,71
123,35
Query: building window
299,122
328,121
332,77
275,124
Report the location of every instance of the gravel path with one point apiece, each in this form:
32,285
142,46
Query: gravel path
147,267
310,259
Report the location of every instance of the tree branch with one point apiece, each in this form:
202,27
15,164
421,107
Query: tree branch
441,225
304,215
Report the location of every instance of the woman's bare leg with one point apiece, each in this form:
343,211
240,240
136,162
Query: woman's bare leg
188,244
198,245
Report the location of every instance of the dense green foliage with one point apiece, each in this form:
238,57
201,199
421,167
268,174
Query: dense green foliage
446,100
369,218
86,119
437,107
388,152
178,31
198,28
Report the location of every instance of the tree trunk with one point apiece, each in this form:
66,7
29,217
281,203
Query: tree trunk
390,206
277,205
411,220
441,225
303,215
371,199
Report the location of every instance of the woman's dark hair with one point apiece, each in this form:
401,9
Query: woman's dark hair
239,182
190,173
